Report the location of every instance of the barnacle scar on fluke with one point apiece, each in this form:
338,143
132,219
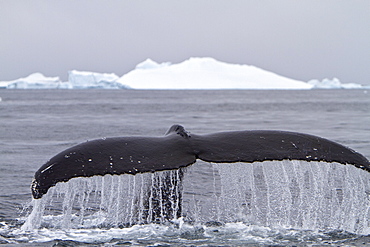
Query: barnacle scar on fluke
178,148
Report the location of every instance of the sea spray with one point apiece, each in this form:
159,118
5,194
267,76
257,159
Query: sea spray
277,194
296,194
109,201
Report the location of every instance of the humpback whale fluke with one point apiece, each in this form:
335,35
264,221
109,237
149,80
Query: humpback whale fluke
178,148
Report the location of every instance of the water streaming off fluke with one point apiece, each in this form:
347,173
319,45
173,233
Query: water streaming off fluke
288,194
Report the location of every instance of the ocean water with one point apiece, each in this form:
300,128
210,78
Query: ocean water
222,205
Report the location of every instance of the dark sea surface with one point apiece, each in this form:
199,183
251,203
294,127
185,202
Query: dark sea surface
37,124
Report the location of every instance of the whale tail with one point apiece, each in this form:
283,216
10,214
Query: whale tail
178,149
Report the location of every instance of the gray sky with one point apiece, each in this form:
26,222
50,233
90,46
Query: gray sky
300,39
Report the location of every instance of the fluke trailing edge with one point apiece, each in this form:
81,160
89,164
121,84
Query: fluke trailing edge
178,148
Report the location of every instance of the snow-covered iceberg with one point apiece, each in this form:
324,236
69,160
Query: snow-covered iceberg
76,80
205,73
150,64
84,79
35,80
333,84
194,73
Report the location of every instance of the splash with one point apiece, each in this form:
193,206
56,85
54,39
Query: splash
288,194
109,201
296,194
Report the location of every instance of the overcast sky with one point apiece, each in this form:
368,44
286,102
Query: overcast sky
300,39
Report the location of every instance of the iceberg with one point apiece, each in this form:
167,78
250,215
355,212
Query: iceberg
84,79
77,80
333,84
35,80
150,64
205,73
193,73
